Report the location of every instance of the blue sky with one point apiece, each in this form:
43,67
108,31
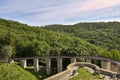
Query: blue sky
45,12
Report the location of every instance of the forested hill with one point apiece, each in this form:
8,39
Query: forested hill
105,35
35,41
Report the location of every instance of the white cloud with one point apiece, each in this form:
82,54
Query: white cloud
97,4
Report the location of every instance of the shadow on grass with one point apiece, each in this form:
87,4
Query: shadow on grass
40,75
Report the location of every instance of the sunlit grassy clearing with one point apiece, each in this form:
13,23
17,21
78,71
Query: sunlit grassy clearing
84,74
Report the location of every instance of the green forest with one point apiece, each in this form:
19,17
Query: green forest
102,34
95,39
105,35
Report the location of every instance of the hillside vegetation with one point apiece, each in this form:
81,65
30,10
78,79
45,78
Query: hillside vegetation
105,35
35,41
14,72
32,41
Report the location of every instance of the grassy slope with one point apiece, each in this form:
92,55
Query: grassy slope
85,75
14,72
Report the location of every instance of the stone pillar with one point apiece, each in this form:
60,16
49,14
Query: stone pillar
36,65
106,65
48,65
88,60
10,60
114,77
73,60
59,65
114,67
118,69
23,63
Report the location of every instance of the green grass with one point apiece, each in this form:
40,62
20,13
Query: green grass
84,74
40,75
15,72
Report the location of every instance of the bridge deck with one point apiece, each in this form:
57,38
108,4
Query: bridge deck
84,56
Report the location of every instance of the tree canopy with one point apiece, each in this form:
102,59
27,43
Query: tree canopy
105,35
6,53
38,41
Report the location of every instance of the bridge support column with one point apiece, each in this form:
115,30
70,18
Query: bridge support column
118,69
106,65
48,65
73,60
88,60
36,65
11,61
23,63
59,65
114,67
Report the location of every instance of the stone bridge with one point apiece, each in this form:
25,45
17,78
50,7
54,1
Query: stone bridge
66,74
106,63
